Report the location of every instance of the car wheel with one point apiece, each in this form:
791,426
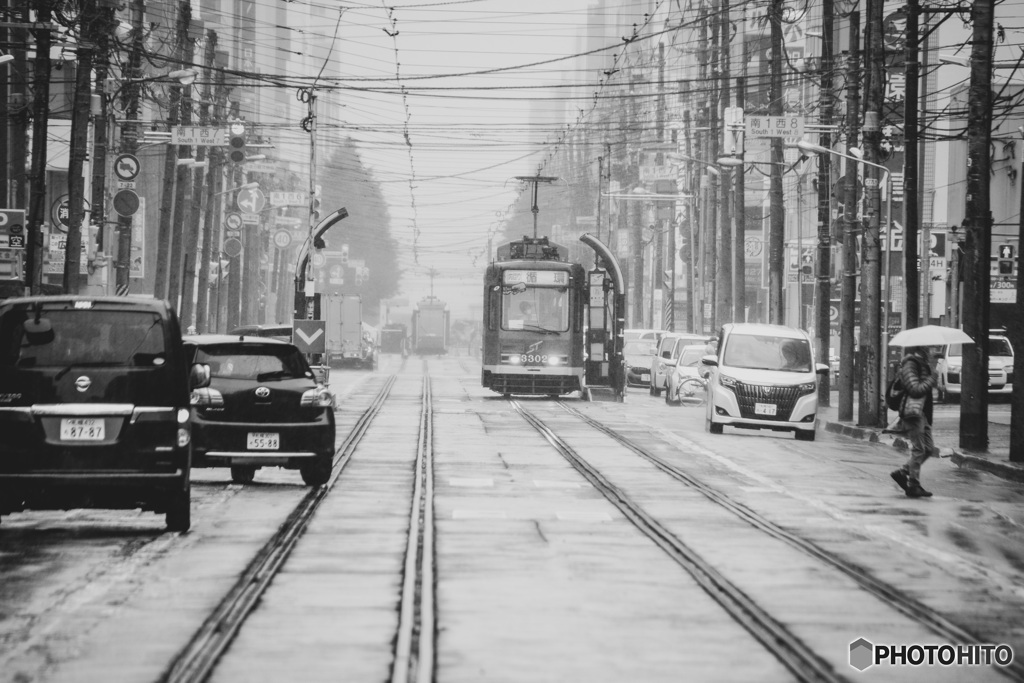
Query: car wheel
317,472
805,434
655,391
178,516
713,427
243,474
669,397
650,389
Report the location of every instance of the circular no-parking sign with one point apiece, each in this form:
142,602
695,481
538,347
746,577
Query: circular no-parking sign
126,167
234,221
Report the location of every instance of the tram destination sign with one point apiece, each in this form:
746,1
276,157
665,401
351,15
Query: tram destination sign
556,278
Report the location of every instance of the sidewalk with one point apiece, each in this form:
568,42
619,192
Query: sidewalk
945,433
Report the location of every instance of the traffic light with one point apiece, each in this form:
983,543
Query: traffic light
236,142
1006,259
344,253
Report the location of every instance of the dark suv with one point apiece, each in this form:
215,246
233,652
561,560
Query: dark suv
94,406
263,407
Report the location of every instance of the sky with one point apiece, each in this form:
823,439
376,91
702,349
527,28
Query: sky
444,140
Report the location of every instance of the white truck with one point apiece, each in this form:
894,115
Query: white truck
347,345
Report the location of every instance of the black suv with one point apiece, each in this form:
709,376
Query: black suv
263,407
94,406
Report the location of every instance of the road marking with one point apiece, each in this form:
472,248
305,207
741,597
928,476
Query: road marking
573,516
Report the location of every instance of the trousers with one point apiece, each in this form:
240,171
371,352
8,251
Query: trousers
919,433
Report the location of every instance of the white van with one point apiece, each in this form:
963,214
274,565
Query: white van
763,377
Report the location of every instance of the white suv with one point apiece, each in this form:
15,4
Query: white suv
950,362
764,377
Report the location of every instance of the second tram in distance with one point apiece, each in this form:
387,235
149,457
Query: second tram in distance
533,336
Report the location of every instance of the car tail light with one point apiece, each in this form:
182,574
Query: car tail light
207,397
317,398
184,436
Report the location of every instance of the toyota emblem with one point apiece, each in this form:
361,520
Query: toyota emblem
83,383
262,392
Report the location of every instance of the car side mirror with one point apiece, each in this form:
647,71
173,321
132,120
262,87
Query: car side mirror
821,369
671,362
199,376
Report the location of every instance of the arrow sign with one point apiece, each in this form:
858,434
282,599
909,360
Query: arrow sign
310,335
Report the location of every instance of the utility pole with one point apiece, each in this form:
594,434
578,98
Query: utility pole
978,233
19,111
183,170
724,271
739,189
130,142
165,234
215,160
303,309
847,304
871,411
911,162
101,31
823,276
192,245
79,149
777,215
41,114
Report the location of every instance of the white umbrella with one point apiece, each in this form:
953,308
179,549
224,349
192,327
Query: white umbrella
930,335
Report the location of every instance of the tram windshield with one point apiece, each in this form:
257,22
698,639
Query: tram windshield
540,309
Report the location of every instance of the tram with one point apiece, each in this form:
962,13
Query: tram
430,327
534,323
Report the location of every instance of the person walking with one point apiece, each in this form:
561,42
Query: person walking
918,381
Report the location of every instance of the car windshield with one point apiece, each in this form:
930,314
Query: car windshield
638,348
249,361
999,347
544,309
83,337
691,356
766,352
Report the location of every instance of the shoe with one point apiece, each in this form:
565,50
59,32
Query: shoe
900,476
915,490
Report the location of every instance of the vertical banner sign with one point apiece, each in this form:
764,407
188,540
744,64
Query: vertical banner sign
137,265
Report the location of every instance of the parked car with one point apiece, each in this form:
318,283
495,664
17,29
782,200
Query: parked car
669,348
637,354
94,406
688,365
646,335
263,407
764,377
949,363
280,331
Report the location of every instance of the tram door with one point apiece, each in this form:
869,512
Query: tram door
606,322
598,329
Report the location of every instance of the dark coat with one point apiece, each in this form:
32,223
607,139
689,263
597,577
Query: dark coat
918,380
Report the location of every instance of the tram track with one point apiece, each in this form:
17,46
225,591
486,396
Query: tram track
196,661
898,600
417,629
791,651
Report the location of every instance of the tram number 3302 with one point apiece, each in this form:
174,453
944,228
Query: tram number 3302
533,359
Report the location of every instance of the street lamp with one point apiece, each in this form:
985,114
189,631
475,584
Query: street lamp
247,186
846,325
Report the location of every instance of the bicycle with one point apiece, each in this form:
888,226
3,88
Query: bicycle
692,391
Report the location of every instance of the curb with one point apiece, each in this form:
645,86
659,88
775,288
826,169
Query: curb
999,469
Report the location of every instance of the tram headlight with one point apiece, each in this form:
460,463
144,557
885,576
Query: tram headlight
558,360
511,358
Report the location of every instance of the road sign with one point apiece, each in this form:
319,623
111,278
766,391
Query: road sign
319,259
785,126
232,233
309,336
197,135
126,202
282,238
251,218
233,221
127,166
12,228
232,247
250,200
289,199
1006,251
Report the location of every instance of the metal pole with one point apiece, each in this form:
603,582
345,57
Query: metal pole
847,306
777,216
